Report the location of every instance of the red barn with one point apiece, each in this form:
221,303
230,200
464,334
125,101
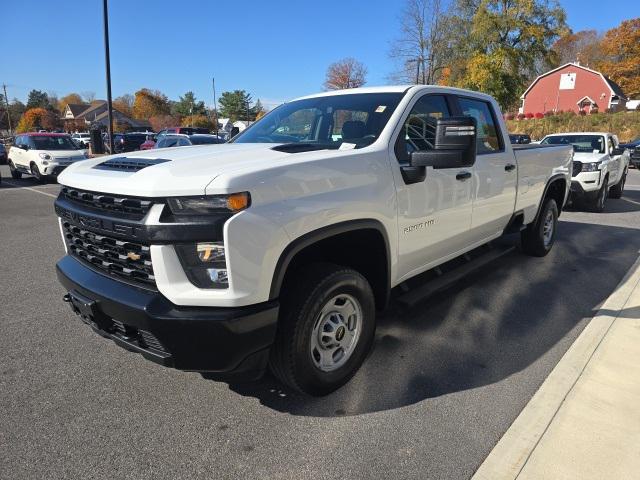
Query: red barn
572,87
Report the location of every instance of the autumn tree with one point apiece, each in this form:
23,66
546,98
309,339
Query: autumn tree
15,109
421,49
504,43
197,121
583,46
149,103
88,96
72,98
621,46
345,73
159,122
37,118
124,104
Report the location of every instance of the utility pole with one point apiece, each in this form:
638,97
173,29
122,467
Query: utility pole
6,100
105,15
215,106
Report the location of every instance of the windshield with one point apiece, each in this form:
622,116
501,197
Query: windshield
347,121
53,143
581,143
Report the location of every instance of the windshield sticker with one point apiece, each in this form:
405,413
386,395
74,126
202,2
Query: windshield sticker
347,146
381,108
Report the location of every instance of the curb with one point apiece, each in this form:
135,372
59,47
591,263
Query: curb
513,450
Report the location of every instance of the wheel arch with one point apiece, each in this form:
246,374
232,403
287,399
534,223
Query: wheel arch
556,187
354,243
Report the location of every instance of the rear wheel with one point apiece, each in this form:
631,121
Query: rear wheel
538,238
15,174
327,325
616,190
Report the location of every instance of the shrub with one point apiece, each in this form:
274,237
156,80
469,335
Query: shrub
549,113
539,115
529,115
509,116
582,112
594,110
521,116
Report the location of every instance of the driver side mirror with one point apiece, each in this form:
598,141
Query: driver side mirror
454,145
617,151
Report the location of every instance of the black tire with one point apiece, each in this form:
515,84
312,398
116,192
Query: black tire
35,172
599,201
305,296
534,238
15,174
617,189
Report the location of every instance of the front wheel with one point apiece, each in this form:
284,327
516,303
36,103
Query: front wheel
616,190
598,203
35,171
327,325
15,174
538,238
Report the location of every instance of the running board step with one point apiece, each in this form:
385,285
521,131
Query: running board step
445,280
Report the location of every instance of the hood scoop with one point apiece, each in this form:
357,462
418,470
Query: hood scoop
125,164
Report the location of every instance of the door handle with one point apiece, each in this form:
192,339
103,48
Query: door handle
509,166
463,176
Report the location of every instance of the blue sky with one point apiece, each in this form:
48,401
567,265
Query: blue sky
275,49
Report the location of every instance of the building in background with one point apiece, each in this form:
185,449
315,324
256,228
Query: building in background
572,87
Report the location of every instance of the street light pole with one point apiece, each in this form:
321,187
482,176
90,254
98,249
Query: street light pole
215,106
105,16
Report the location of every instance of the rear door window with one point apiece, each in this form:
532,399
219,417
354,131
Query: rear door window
488,133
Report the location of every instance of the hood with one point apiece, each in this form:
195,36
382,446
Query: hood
170,171
587,157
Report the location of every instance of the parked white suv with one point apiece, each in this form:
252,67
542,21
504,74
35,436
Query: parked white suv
82,139
43,155
279,247
600,166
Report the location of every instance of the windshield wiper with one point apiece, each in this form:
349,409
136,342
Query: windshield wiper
298,147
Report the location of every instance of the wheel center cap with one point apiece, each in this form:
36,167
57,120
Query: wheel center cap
340,333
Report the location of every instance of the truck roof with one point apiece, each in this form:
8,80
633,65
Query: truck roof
395,89
44,134
577,133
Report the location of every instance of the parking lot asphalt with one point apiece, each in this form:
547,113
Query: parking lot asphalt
444,382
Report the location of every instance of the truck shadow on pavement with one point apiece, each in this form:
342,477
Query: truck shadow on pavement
630,202
482,330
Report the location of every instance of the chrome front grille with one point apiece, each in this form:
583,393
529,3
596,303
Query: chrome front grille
119,258
105,202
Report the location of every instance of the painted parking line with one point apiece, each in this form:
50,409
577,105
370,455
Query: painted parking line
21,187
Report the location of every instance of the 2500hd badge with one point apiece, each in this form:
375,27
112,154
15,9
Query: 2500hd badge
419,226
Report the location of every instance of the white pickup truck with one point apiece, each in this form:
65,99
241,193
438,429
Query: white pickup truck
277,249
600,166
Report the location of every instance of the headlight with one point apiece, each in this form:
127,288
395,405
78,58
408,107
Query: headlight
205,264
44,156
209,204
591,167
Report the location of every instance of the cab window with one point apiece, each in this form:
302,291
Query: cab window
487,137
419,129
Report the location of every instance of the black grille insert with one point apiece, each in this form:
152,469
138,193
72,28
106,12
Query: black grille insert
119,258
126,164
106,202
577,168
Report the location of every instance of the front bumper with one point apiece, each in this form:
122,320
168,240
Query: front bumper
586,183
230,343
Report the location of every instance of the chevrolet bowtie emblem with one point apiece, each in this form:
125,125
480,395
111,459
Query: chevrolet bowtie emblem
133,256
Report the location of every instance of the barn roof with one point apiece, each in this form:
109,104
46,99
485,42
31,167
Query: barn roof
613,86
